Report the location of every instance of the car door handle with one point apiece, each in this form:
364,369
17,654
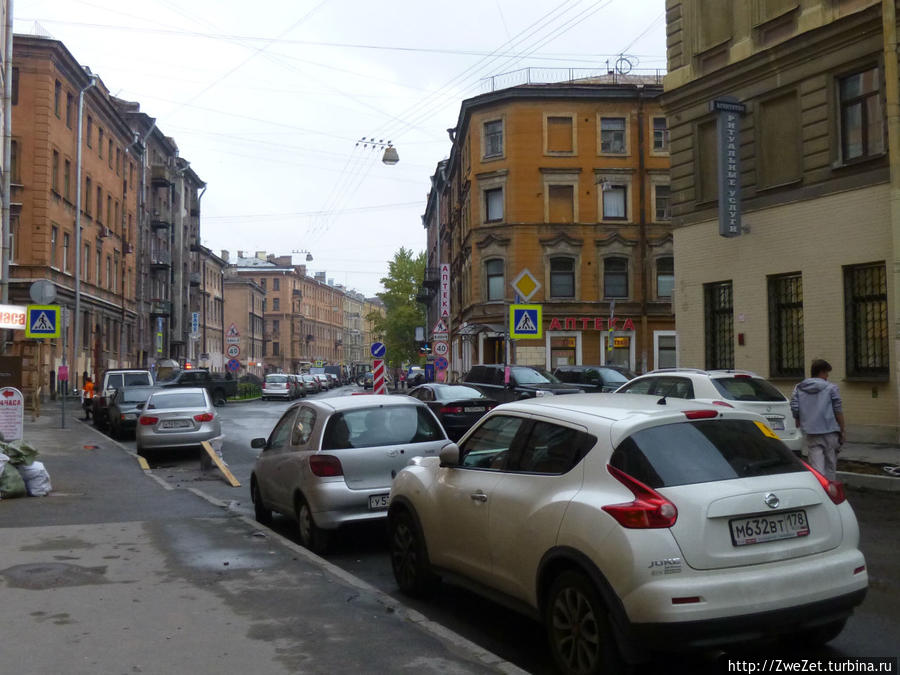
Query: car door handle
478,497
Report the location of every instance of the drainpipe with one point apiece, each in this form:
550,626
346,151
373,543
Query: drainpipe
892,99
76,338
5,251
642,228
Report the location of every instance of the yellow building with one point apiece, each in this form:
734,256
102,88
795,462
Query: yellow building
812,272
563,188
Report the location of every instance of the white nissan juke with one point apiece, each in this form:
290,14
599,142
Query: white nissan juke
632,525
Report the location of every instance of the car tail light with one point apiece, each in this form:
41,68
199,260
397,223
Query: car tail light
742,376
325,466
723,404
451,409
833,489
148,420
204,417
700,414
649,508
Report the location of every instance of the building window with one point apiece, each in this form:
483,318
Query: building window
276,284
57,98
65,260
665,345
866,316
99,203
707,176
660,135
562,203
780,154
662,203
614,201
615,278
54,172
665,277
85,263
70,109
90,130
862,133
109,280
67,179
100,142
496,286
98,278
276,326
14,162
15,86
493,138
109,155
109,210
13,237
262,283
118,161
276,348
786,326
275,304
87,196
719,325
54,238
562,278
612,135
560,134
493,205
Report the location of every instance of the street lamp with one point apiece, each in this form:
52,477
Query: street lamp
390,156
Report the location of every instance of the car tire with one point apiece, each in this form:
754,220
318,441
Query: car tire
816,637
578,628
409,557
262,514
312,536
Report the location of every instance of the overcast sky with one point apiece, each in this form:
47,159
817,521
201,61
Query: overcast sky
267,100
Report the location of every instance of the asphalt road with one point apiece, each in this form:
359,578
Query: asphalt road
873,631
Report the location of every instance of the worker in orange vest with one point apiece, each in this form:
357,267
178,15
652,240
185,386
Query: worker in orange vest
87,401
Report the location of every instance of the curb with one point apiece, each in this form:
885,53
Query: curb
869,482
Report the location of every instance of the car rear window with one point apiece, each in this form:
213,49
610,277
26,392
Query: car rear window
372,427
747,389
456,391
137,379
135,395
703,451
533,376
276,378
177,400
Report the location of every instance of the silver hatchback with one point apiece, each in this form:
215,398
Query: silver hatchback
330,462
176,418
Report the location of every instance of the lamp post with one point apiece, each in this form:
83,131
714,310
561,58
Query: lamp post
389,157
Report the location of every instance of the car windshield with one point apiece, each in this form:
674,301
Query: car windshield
388,425
135,395
276,378
743,388
456,392
177,399
533,376
136,379
703,451
611,376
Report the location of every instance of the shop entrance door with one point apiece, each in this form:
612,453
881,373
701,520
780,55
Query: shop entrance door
562,352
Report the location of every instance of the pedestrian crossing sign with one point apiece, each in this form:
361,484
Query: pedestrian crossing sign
42,321
525,322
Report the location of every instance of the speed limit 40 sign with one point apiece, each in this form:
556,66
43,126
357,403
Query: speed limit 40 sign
440,348
233,351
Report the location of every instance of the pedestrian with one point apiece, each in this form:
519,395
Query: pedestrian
817,408
87,401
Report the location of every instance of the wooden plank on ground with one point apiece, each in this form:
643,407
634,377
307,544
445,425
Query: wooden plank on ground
219,463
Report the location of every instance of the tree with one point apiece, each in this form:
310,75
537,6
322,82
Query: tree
397,326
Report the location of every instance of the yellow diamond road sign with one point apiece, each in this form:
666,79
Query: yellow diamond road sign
525,285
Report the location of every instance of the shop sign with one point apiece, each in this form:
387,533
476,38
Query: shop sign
588,323
445,291
12,414
622,342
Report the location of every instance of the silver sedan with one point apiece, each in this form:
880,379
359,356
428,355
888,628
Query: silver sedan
177,418
330,462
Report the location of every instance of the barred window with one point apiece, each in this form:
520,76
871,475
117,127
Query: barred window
786,326
719,325
865,314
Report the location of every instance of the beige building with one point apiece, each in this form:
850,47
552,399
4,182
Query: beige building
208,300
813,272
244,301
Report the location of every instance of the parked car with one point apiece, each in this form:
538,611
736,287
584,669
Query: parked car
329,461
277,385
334,380
298,386
524,382
112,380
457,406
176,418
125,406
594,379
311,384
324,382
631,526
729,388
220,388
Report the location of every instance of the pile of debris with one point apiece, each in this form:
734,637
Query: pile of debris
20,473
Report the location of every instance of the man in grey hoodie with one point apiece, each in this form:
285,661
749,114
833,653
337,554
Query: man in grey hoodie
816,404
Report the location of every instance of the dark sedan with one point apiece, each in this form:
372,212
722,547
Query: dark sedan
457,406
595,378
124,411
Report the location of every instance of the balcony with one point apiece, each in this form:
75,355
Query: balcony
161,176
160,308
195,278
160,219
160,258
432,278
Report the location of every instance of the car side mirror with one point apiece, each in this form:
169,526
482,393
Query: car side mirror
449,455
140,406
258,443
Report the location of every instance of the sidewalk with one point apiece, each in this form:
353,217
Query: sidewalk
118,571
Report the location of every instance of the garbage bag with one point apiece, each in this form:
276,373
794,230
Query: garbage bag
37,479
11,483
19,452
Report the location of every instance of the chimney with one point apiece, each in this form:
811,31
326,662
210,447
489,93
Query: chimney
240,254
224,255
260,255
281,261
